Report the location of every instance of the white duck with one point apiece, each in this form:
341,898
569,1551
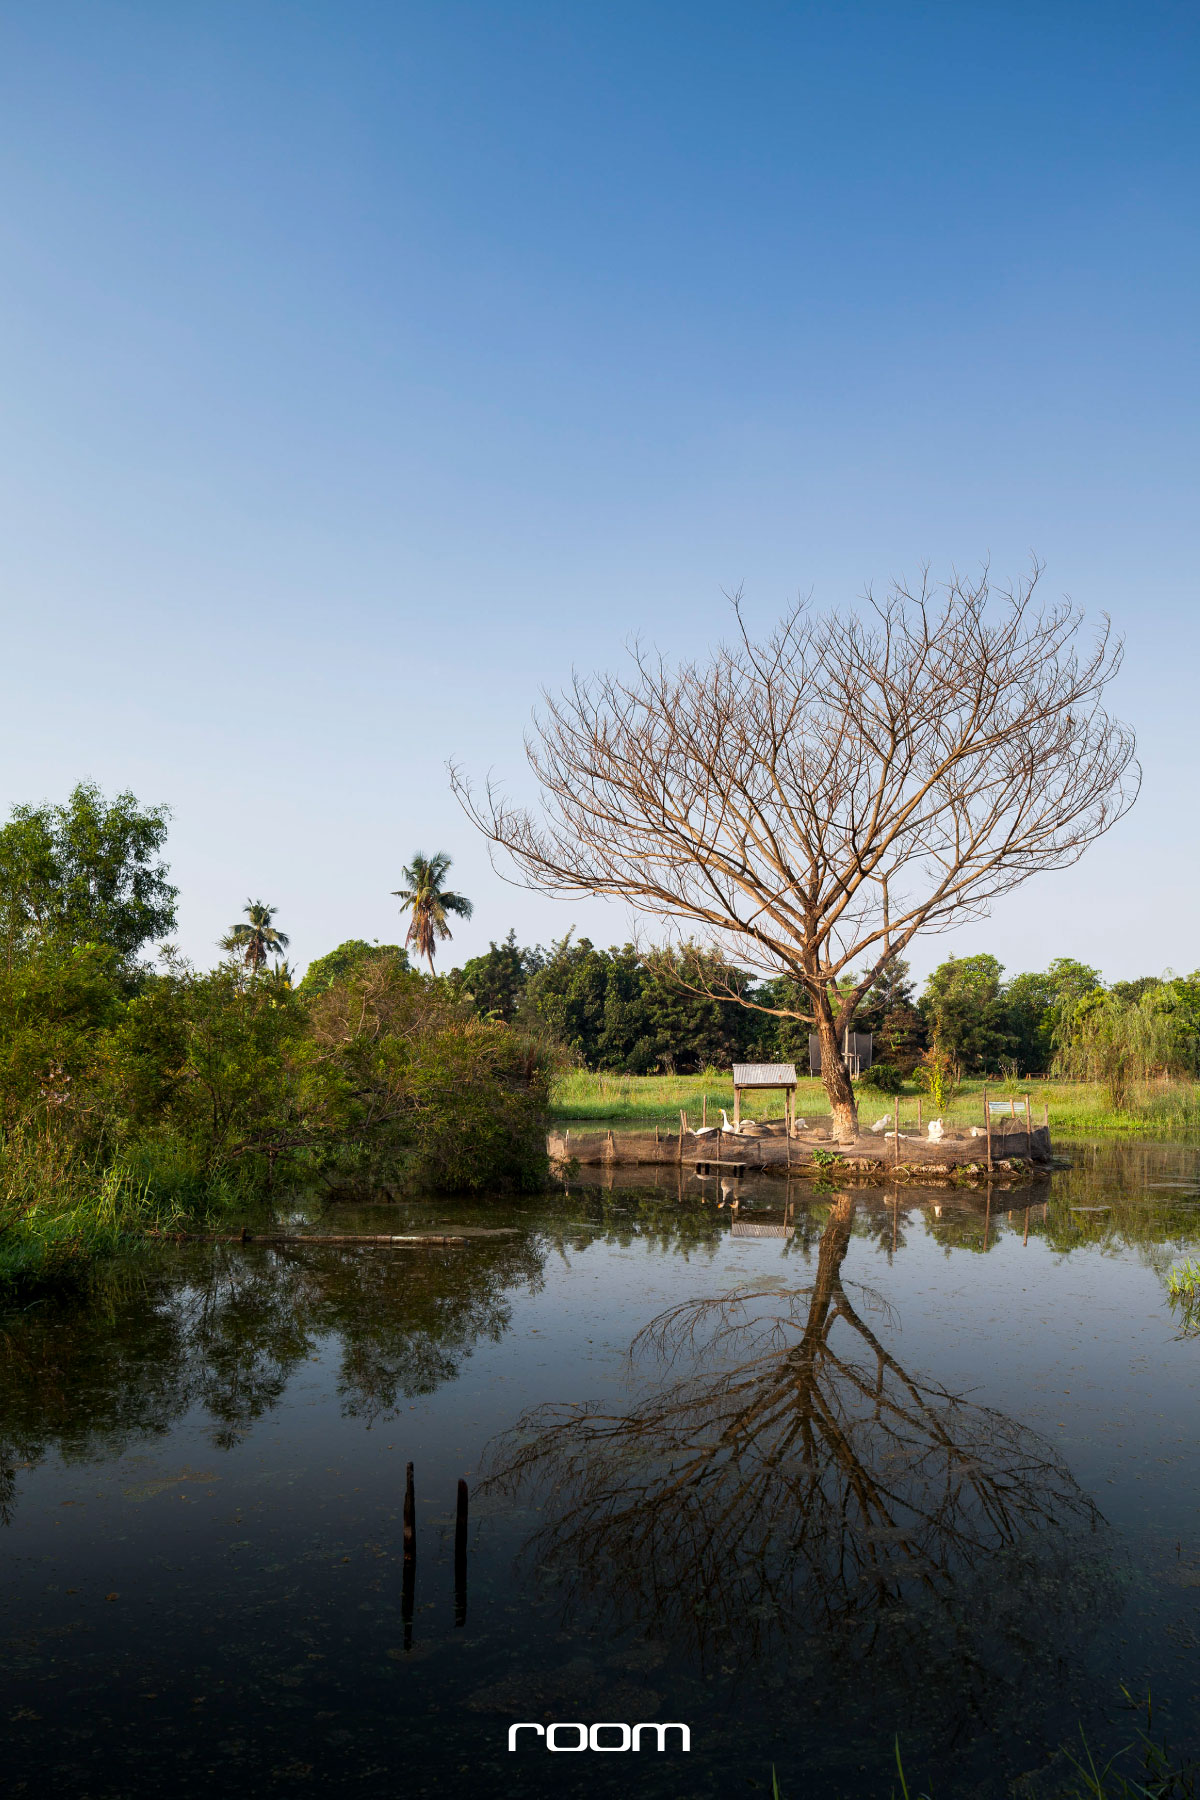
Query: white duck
747,1128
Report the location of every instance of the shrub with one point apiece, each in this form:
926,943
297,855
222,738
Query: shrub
402,1087
883,1077
938,1075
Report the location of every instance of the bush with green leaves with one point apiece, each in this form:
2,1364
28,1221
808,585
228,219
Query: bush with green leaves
883,1077
403,1087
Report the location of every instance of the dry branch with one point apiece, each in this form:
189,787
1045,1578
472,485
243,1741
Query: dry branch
813,801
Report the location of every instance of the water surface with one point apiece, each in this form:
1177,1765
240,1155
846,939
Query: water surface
799,1466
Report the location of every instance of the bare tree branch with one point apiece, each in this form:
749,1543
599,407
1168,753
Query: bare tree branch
813,801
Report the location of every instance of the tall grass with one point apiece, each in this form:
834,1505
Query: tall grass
61,1213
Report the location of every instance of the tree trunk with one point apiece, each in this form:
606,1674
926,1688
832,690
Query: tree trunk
834,1073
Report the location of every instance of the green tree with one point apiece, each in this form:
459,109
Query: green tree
255,936
889,1012
1129,991
203,1073
1119,1042
569,994
495,983
412,1090
55,1009
689,1028
965,1012
87,872
619,1009
346,960
1035,1003
429,901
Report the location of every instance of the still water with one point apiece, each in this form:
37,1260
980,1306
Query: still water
803,1474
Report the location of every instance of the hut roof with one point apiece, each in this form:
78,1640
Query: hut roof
746,1075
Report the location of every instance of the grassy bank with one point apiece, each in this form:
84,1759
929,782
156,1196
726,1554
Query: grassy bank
61,1214
1166,1109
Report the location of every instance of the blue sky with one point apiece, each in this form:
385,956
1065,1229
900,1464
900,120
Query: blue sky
367,366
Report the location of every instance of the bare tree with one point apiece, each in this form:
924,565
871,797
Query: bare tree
813,801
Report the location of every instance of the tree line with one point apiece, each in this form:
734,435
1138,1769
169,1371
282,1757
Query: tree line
635,1012
173,1089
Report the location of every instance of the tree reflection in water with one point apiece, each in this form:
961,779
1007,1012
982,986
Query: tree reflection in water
790,1483
225,1329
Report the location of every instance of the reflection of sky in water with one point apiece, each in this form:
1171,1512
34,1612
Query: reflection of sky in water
245,1511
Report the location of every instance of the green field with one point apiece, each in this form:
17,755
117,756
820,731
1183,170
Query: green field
1166,1109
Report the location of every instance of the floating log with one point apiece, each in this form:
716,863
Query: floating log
398,1240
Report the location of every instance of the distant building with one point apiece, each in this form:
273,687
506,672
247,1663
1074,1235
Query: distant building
856,1048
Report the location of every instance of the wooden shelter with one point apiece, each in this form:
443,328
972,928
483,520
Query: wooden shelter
753,1078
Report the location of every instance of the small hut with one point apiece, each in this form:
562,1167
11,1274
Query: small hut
753,1078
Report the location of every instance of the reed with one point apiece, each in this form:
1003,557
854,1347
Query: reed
61,1214
1183,1283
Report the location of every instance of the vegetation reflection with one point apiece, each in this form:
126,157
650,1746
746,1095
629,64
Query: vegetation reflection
225,1329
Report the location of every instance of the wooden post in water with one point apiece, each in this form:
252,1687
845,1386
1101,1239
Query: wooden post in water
408,1582
460,1557
1028,1129
896,1135
1025,1239
410,1517
987,1119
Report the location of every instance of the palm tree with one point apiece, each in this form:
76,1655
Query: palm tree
258,938
429,902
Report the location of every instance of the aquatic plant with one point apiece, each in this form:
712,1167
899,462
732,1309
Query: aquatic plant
1183,1283
1157,1775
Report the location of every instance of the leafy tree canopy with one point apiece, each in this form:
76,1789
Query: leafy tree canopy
87,872
347,960
495,983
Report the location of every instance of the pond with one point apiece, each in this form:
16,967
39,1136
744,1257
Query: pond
801,1467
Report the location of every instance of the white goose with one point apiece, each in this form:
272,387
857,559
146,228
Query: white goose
747,1128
